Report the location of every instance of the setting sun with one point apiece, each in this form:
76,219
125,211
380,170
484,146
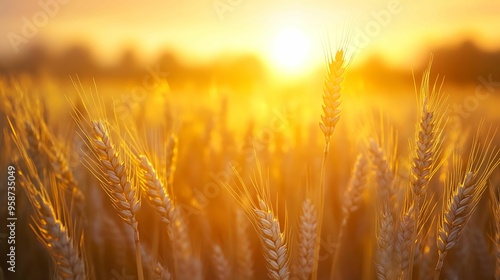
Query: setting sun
290,50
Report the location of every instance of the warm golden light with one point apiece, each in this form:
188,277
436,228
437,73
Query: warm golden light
290,50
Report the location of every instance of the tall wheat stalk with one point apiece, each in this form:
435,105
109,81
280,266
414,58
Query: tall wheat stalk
332,90
424,162
118,182
52,225
464,190
107,162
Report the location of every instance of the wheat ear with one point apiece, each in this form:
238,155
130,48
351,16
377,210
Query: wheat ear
352,199
118,184
187,266
308,224
265,222
244,253
332,90
221,264
404,244
156,194
428,138
273,243
172,151
52,233
383,172
385,239
331,94
424,162
461,202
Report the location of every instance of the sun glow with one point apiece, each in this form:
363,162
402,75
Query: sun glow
290,50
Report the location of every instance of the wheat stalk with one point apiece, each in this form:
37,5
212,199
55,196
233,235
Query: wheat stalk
332,90
352,196
351,201
53,234
172,154
405,240
244,253
118,184
423,164
428,138
308,224
384,174
461,202
52,223
273,243
221,264
43,147
331,94
156,194
188,267
385,239
265,222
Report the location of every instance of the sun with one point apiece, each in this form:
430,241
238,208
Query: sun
290,50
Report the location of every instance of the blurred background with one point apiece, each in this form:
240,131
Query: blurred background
247,45
250,58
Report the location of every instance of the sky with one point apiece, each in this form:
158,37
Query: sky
288,34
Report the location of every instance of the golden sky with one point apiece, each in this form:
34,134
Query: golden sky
288,34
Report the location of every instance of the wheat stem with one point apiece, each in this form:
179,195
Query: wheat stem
118,186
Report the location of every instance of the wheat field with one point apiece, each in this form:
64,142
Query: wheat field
175,191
